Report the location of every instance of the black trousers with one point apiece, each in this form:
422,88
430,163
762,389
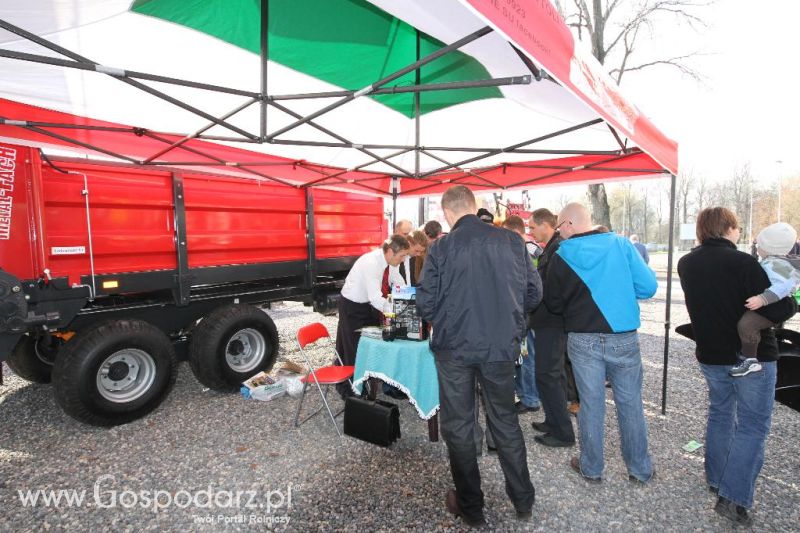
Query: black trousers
458,424
550,345
352,316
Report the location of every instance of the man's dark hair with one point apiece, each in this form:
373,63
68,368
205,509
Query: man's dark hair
433,229
544,216
396,243
458,199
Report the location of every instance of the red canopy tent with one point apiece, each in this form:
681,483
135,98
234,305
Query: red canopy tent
505,37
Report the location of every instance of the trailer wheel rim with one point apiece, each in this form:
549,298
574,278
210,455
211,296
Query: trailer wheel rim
126,375
245,350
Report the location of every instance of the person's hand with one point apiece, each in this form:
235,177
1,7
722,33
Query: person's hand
754,302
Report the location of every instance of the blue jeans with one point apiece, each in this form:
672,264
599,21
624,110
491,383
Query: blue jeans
595,356
739,416
525,378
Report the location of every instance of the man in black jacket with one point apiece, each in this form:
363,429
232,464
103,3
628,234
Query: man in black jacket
551,344
478,285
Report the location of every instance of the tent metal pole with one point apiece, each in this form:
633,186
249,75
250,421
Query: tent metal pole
198,132
119,75
616,136
429,148
214,158
336,175
395,187
668,312
582,167
342,139
518,145
417,88
402,72
58,62
264,66
466,171
80,143
417,118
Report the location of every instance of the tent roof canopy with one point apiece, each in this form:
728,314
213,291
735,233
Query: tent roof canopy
456,92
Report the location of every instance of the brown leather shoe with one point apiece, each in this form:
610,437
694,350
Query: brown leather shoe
573,408
575,464
451,503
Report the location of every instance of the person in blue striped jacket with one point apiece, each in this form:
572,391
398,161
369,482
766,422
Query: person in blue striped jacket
594,281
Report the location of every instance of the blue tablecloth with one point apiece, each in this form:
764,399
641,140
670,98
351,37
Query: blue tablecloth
407,365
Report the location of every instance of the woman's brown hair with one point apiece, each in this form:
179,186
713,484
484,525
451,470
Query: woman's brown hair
714,223
418,237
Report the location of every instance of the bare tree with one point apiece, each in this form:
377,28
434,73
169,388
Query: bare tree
615,28
739,186
683,188
702,193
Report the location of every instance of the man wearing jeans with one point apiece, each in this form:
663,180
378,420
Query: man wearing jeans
478,284
594,281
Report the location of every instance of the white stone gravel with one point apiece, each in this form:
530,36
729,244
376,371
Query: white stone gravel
203,441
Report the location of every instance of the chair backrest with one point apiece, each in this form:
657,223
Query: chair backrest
311,333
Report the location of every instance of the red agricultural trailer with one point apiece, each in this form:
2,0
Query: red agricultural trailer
107,269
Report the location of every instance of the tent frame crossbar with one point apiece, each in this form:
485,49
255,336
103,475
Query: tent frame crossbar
383,81
524,79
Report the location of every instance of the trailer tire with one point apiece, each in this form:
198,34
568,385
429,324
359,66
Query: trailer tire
32,361
232,344
114,372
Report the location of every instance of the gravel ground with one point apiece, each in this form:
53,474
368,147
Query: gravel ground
200,443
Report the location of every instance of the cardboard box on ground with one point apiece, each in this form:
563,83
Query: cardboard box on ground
266,386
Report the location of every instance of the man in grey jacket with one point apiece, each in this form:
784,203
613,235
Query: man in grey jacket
478,285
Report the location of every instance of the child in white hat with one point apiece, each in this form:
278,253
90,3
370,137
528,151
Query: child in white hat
774,242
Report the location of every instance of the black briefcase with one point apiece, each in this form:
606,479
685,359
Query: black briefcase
372,421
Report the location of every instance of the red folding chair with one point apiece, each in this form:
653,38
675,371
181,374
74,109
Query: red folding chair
324,375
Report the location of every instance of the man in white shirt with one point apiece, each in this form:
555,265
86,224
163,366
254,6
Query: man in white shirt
364,295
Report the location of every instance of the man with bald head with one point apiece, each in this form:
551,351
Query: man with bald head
403,227
594,281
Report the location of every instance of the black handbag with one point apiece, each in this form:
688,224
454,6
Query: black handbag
372,421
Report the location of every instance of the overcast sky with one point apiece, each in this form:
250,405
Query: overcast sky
748,108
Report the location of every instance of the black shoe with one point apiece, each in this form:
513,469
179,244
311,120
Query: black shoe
541,427
734,512
713,490
575,464
553,442
451,503
636,481
522,408
524,516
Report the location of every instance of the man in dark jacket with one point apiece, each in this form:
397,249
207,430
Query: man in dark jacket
478,285
551,344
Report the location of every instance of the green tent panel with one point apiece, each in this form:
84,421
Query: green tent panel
350,44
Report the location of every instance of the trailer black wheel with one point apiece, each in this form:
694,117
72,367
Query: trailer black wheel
33,357
114,372
232,344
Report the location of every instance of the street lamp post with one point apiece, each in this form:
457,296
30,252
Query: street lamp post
779,162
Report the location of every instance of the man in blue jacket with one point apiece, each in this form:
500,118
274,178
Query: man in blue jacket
594,281
478,284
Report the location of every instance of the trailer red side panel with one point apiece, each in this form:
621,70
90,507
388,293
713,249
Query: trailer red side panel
75,217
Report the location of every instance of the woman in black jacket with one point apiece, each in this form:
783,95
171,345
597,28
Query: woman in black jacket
716,280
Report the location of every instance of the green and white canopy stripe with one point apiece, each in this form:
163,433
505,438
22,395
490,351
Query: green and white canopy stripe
314,46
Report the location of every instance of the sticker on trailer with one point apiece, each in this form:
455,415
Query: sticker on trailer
67,250
7,173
